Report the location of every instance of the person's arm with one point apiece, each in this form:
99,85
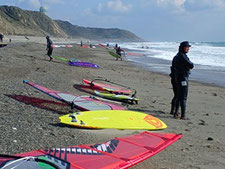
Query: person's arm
47,47
187,62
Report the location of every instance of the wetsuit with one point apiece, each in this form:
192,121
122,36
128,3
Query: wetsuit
118,51
49,48
182,65
174,102
1,37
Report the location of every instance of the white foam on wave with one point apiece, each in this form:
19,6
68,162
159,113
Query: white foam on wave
200,53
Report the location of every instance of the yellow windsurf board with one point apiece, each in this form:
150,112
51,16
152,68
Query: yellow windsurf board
118,119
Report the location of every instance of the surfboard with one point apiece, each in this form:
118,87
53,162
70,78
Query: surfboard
114,54
106,87
80,102
117,97
117,153
117,119
2,44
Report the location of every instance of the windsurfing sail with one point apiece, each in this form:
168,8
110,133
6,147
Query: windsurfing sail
134,54
106,87
76,62
102,45
79,102
85,46
118,153
83,64
62,46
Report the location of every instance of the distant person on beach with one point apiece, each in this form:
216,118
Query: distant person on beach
81,43
119,52
1,37
49,47
181,65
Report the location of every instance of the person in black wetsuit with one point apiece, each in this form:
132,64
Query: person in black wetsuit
181,66
1,37
119,52
49,48
174,105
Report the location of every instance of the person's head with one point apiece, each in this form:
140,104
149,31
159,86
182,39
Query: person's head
184,47
47,37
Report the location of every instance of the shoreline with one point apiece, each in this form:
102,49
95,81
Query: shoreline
167,75
38,127
162,66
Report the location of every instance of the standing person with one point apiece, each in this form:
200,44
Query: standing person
119,52
49,48
182,66
1,37
174,102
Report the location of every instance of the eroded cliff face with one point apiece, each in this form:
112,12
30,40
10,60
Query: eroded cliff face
15,21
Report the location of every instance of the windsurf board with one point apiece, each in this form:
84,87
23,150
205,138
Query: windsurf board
114,54
117,119
118,97
106,87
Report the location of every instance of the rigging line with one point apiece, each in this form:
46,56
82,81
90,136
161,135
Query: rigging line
110,82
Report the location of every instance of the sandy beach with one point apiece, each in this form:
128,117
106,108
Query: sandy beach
30,120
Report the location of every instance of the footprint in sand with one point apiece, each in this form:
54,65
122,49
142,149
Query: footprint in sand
202,122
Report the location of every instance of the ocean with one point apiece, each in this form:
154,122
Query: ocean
208,58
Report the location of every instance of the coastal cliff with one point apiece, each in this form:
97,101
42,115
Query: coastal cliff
15,21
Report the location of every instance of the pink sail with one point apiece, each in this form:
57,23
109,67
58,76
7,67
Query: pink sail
102,45
116,153
80,102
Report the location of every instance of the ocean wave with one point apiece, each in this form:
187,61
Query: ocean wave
202,53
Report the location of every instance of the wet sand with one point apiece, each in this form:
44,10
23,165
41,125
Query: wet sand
29,119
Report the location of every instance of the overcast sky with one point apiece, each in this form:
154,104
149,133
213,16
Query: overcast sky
153,20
